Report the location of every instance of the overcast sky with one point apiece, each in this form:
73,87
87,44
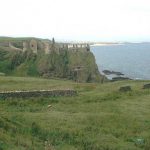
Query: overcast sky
86,20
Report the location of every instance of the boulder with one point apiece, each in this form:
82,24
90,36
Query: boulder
125,89
146,86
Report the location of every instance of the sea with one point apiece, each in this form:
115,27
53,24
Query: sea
131,59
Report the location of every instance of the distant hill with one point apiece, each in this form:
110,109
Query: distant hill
46,58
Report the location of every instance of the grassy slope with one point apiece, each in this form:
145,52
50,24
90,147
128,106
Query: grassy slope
99,118
19,39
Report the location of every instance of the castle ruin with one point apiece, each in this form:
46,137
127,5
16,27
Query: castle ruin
46,46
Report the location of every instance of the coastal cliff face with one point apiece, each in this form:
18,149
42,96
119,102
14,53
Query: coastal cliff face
45,58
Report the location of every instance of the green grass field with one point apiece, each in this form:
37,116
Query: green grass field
98,118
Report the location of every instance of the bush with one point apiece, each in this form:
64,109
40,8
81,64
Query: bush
35,129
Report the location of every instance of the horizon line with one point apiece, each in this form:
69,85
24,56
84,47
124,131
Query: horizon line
75,40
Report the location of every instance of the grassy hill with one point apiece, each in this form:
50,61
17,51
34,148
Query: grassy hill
98,118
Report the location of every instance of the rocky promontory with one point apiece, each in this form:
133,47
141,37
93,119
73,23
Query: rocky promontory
49,59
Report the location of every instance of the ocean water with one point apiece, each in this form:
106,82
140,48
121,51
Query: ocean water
133,60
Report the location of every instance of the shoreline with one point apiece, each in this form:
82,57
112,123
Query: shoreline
106,44
124,58
115,75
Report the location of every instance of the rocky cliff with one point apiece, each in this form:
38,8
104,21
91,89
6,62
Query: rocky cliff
38,57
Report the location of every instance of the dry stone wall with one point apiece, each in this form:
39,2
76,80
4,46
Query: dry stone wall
37,93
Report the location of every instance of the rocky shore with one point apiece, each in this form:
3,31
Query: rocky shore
108,72
115,75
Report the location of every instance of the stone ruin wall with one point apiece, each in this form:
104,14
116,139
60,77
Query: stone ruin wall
5,44
75,47
37,93
25,46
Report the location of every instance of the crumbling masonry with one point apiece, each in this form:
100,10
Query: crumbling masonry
45,46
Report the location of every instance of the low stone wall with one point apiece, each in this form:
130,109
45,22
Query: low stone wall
37,93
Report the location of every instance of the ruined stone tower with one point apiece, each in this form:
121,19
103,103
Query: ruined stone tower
33,45
25,46
47,48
